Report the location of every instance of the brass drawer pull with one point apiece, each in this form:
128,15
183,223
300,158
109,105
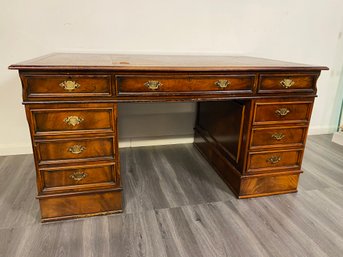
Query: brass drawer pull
76,149
73,120
287,83
278,136
69,85
153,84
222,83
78,175
274,159
282,112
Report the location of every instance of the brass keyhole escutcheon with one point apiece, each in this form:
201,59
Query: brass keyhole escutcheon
282,112
287,83
78,175
222,83
153,84
76,149
274,159
69,85
278,136
73,120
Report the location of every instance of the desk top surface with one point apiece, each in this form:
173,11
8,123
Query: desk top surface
72,61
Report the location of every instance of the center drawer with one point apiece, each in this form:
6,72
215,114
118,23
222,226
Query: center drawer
155,84
59,151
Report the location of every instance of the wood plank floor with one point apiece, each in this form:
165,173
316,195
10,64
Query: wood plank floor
176,205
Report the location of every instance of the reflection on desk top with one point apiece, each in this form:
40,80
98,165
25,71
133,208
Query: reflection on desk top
86,61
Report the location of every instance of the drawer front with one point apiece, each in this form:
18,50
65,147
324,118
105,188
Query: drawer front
274,161
269,185
74,150
78,178
72,120
287,83
127,84
73,206
282,112
67,85
278,137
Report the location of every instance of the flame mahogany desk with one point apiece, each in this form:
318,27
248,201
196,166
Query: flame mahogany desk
252,120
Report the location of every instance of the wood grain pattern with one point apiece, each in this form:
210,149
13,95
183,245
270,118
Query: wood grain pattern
51,120
78,178
271,137
266,112
271,161
303,224
174,176
224,168
258,171
81,205
70,61
226,131
62,150
269,185
272,83
76,158
49,85
177,84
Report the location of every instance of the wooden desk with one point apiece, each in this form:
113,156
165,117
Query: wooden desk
252,121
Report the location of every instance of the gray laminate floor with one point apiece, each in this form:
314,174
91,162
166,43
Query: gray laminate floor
175,205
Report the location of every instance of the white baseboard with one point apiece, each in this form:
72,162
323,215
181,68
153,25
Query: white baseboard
319,130
151,141
338,138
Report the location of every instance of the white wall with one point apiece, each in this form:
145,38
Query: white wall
307,31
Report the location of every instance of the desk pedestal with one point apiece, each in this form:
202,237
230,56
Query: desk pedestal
253,148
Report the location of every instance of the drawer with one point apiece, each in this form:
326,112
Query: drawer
67,85
80,205
78,178
154,84
57,151
287,83
78,119
278,137
282,112
272,161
